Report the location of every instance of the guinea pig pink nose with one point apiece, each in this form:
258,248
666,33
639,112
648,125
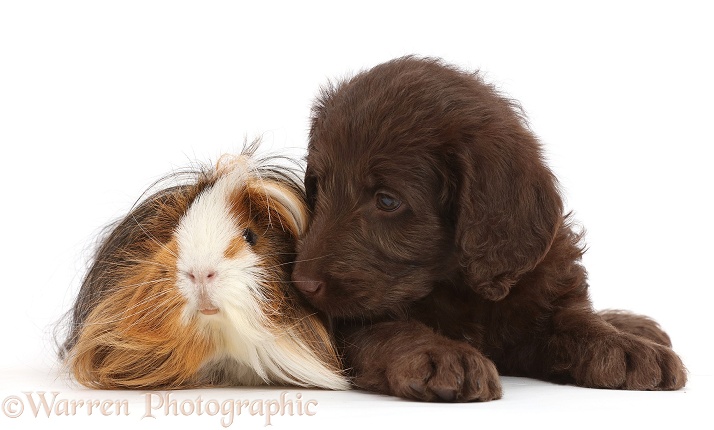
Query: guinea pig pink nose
202,277
307,284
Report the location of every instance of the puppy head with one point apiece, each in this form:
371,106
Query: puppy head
419,173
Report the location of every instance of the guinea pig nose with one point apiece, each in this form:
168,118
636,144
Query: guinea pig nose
307,284
202,277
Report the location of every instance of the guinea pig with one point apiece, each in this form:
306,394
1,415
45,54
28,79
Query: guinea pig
192,288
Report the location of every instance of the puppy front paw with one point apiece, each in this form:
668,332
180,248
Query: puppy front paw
448,372
630,362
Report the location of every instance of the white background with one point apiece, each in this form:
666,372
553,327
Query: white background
99,99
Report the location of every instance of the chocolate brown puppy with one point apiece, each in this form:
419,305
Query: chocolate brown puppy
439,246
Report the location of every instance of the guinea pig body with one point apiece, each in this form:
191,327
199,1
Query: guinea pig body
192,289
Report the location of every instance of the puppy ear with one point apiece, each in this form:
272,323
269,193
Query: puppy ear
507,209
310,188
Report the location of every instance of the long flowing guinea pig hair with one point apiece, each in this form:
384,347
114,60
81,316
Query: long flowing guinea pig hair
192,289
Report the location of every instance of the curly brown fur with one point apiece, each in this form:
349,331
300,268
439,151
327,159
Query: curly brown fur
439,245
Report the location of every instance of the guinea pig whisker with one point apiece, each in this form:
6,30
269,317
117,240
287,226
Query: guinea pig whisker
148,299
136,261
155,263
313,259
124,317
141,284
168,311
160,304
277,265
150,236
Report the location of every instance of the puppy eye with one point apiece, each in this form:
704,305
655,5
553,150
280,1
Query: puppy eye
387,202
250,236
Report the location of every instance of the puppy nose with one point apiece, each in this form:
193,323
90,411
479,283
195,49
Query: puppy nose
307,284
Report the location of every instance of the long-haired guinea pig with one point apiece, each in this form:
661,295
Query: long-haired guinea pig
192,288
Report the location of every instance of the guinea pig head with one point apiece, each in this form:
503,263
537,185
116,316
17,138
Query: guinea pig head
208,302
234,246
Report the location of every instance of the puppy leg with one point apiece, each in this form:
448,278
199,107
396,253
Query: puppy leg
593,353
639,325
408,359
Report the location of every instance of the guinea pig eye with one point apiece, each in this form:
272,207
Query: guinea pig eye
387,202
250,236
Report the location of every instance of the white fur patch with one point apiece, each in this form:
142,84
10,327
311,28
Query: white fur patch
248,350
204,233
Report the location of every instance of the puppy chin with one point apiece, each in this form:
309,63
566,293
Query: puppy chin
334,305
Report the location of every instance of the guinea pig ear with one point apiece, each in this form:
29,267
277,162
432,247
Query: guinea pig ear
289,202
507,211
229,162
